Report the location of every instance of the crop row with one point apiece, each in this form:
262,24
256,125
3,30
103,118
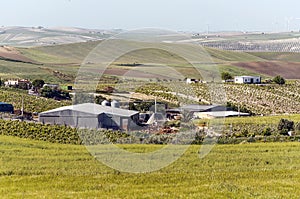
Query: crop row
31,103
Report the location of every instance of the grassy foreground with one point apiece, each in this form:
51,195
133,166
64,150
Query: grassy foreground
34,169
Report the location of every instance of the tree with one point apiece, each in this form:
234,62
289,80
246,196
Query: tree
297,127
279,80
285,126
38,83
47,92
226,76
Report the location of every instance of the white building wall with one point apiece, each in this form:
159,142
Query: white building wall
247,80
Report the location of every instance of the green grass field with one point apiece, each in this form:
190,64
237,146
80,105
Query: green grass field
35,169
67,59
261,120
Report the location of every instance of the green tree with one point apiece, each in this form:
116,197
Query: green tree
47,92
226,76
284,126
267,131
297,128
38,83
279,80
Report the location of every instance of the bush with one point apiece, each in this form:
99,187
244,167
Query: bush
267,131
285,126
226,76
38,83
279,80
297,127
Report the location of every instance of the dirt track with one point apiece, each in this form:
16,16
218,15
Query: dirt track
289,70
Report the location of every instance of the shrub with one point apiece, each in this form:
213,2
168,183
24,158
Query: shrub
267,131
226,76
297,128
38,83
279,80
285,126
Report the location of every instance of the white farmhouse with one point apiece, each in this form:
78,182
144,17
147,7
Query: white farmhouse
11,83
247,79
191,81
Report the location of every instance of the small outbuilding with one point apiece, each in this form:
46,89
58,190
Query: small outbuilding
192,81
92,116
6,108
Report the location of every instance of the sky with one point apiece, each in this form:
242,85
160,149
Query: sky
179,15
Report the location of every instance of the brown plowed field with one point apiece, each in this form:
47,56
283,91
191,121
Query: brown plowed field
10,53
288,70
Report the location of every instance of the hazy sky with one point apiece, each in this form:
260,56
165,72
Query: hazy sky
186,15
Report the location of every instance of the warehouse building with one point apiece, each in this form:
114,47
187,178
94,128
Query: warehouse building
92,116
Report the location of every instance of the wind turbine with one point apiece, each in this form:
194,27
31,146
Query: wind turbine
298,19
288,23
276,26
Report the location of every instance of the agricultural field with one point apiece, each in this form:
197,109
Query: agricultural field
43,61
31,103
267,99
60,64
35,169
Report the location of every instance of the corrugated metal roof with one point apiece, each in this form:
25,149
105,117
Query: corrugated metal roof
196,107
94,109
4,103
224,114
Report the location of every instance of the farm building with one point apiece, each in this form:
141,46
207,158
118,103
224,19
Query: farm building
52,86
191,81
91,115
16,82
203,108
247,79
6,108
219,114
204,111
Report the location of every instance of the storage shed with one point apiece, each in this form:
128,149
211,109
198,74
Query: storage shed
6,108
92,116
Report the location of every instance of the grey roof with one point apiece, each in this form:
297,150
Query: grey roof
94,109
196,107
247,76
225,114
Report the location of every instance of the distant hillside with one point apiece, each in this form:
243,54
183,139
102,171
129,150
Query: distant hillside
44,61
41,36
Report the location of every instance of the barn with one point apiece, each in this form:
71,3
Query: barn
92,116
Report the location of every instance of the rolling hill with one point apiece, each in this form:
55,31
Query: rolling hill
43,61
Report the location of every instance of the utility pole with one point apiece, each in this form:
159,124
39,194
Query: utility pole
22,108
155,108
207,29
